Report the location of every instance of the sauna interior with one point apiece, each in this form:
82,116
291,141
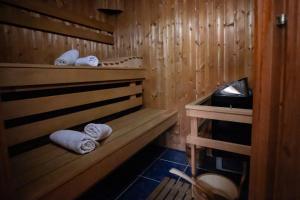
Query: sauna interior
149,99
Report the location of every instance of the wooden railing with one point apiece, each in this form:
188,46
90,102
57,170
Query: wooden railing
199,112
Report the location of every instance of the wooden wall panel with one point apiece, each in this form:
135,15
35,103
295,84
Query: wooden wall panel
31,46
275,165
189,47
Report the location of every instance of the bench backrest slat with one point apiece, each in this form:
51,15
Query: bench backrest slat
25,107
37,129
29,76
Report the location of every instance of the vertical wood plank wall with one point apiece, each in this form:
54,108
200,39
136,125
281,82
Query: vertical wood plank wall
189,47
31,46
275,164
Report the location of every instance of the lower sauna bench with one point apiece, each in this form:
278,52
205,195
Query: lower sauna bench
37,100
58,172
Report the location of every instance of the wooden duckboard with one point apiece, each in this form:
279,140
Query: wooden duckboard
171,189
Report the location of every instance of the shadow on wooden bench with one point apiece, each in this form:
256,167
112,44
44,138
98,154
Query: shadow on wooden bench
40,99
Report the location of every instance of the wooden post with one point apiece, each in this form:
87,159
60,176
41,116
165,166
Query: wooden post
132,84
5,180
194,132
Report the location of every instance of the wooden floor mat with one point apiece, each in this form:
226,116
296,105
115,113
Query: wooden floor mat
169,189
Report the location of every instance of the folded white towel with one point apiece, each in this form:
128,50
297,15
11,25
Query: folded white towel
88,60
98,131
73,140
67,58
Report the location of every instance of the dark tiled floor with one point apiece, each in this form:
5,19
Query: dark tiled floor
175,156
138,177
160,169
140,189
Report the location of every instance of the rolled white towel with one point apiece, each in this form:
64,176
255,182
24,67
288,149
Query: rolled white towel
73,140
88,60
67,58
98,131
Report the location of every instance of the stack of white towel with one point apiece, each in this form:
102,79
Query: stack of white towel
82,142
71,57
98,131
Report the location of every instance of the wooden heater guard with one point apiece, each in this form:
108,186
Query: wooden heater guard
199,113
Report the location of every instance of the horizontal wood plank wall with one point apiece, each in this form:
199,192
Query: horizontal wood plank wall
21,18
189,47
30,46
60,13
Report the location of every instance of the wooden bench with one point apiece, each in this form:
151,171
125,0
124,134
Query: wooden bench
39,99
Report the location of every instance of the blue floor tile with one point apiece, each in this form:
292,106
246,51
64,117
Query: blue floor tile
160,169
140,190
175,156
111,186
